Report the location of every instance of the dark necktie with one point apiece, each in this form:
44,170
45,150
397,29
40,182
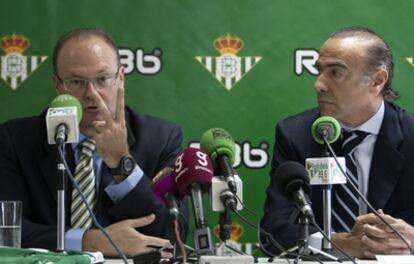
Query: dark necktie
85,178
346,199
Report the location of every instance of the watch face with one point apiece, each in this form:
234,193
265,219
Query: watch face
129,164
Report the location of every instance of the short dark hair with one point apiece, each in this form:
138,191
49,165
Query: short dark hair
378,54
79,34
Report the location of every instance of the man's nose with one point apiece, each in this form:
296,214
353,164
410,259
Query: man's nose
320,85
89,88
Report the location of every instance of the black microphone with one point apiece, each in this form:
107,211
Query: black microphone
292,179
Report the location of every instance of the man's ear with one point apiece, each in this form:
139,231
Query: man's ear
121,75
378,81
58,86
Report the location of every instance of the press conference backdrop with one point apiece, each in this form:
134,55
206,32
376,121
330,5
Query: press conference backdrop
237,64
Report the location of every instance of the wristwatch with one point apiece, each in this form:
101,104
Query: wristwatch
124,168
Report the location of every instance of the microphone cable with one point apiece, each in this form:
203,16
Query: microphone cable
364,199
179,241
270,236
334,244
95,221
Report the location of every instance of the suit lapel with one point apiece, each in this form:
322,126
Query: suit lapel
387,162
130,135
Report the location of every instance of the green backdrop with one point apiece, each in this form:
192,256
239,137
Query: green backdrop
182,89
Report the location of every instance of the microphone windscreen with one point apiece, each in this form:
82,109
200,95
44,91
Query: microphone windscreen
290,176
192,166
326,126
66,100
217,141
160,175
163,186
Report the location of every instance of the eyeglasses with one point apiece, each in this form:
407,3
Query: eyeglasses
99,83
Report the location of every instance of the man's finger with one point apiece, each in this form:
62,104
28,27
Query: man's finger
370,255
166,255
158,243
375,231
389,219
120,106
100,126
373,245
142,221
103,109
366,218
383,246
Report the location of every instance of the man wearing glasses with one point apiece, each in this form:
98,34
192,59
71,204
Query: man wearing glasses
127,150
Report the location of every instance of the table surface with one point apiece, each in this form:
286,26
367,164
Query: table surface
265,260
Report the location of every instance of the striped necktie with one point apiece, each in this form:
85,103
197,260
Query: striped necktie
85,178
346,199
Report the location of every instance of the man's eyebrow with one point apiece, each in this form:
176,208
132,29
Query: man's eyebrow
100,72
330,65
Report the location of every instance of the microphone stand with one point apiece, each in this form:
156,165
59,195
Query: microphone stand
327,209
302,245
303,239
202,234
225,225
61,175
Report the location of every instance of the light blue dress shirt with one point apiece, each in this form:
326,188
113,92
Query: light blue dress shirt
116,191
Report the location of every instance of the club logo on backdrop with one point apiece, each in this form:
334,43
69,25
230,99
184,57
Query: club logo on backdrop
228,68
15,66
410,61
236,231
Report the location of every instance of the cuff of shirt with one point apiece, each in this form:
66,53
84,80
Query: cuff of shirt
73,239
117,191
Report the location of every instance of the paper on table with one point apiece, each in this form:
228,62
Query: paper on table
395,259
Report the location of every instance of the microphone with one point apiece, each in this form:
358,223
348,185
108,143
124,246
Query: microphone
219,144
292,179
62,120
193,174
62,123
326,127
164,188
221,148
325,170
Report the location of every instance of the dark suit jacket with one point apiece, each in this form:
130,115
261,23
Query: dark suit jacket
391,180
28,173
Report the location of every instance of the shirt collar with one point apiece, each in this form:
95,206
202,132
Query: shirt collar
373,124
82,137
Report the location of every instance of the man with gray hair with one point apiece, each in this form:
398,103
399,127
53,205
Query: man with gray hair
354,86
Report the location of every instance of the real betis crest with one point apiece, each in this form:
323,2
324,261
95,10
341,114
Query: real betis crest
228,68
410,60
16,67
